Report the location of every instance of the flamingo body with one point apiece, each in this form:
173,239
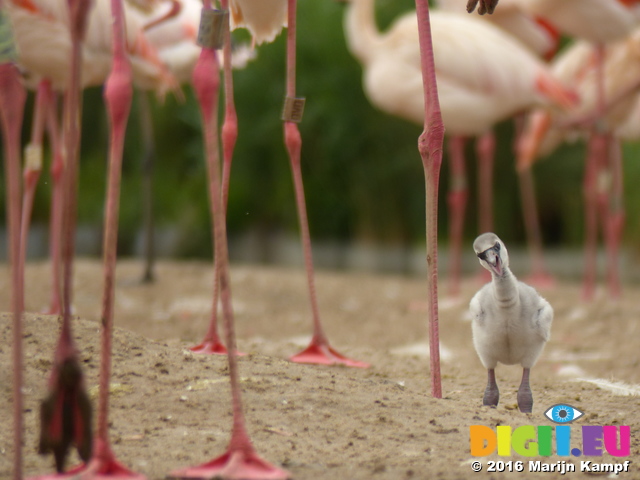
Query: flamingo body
44,47
483,75
599,21
514,20
576,66
264,18
175,39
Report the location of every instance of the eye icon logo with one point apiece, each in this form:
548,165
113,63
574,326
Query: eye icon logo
562,413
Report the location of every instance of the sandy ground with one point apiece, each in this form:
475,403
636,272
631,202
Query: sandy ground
171,408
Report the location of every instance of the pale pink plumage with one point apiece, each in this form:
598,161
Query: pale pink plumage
483,75
601,75
598,21
577,66
41,32
514,20
175,40
264,18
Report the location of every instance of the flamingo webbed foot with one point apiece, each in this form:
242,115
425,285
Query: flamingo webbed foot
212,347
235,463
319,353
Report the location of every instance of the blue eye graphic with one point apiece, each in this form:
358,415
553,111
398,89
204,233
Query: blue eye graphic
562,413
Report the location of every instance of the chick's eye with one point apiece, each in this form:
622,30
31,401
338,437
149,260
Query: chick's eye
562,413
497,246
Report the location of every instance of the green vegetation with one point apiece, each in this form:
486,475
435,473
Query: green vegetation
363,175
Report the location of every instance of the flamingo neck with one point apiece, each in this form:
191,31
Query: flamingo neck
505,289
361,30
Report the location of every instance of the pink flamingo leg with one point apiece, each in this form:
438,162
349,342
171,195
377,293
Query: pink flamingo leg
240,461
319,350
55,223
485,148
66,384
117,94
430,148
485,151
591,216
615,220
32,168
33,164
597,151
211,343
148,156
603,191
539,276
45,114
603,183
457,200
12,98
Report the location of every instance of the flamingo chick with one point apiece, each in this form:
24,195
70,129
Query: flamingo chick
511,321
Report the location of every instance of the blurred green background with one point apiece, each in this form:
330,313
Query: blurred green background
363,175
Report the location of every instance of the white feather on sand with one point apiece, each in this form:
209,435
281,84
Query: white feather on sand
615,387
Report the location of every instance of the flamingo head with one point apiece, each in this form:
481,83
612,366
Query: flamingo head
491,253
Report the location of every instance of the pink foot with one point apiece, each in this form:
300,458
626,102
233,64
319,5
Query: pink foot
213,347
234,464
102,466
324,354
108,469
614,229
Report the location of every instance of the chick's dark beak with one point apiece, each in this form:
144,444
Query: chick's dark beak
492,257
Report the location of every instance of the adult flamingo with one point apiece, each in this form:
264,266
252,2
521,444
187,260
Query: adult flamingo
477,86
598,22
65,68
543,39
42,39
117,94
517,22
430,148
66,384
546,130
241,447
240,460
264,20
12,98
174,36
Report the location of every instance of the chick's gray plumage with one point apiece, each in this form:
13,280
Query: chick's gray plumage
511,321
